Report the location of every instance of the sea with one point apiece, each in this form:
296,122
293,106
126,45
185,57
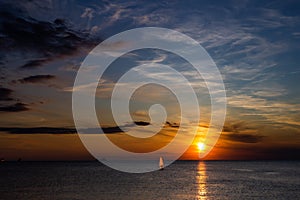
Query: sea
181,180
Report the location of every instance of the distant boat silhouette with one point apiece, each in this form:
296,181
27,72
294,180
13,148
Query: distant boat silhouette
161,163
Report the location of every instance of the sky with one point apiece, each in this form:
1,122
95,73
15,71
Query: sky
254,44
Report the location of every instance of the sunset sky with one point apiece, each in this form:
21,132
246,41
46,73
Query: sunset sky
255,45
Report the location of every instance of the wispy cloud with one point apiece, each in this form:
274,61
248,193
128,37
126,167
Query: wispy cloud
245,138
5,94
38,130
152,19
241,131
89,14
17,107
158,59
271,110
57,130
8,103
37,79
268,18
35,63
269,93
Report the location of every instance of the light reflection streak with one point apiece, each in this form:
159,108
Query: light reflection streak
201,181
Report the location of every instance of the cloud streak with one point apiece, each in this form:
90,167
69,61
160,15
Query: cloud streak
37,79
244,138
273,111
56,130
5,94
38,130
17,107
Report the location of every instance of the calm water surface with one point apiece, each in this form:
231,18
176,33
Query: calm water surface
181,180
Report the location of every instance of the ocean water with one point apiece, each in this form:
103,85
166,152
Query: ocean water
181,180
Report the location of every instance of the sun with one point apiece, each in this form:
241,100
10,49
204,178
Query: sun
201,146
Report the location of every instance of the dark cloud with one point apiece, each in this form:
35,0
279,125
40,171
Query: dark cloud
237,132
37,79
34,63
114,129
5,94
17,107
108,130
236,127
46,39
242,137
60,130
173,125
38,130
57,130
142,123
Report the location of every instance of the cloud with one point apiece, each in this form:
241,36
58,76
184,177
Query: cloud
244,138
236,127
5,94
142,123
56,130
267,18
33,63
243,72
115,129
37,79
88,12
107,130
42,41
271,110
240,132
38,130
17,107
152,19
95,29
269,93
158,59
172,125
141,113
241,52
71,67
296,34
125,128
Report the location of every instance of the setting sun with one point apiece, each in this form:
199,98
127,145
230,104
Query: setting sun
201,146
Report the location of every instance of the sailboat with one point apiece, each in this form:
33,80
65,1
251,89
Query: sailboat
161,163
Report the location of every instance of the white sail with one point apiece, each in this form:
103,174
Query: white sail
161,163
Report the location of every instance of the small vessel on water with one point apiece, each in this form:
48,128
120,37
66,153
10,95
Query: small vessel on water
161,163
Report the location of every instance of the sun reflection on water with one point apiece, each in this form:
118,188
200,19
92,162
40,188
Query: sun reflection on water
201,181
